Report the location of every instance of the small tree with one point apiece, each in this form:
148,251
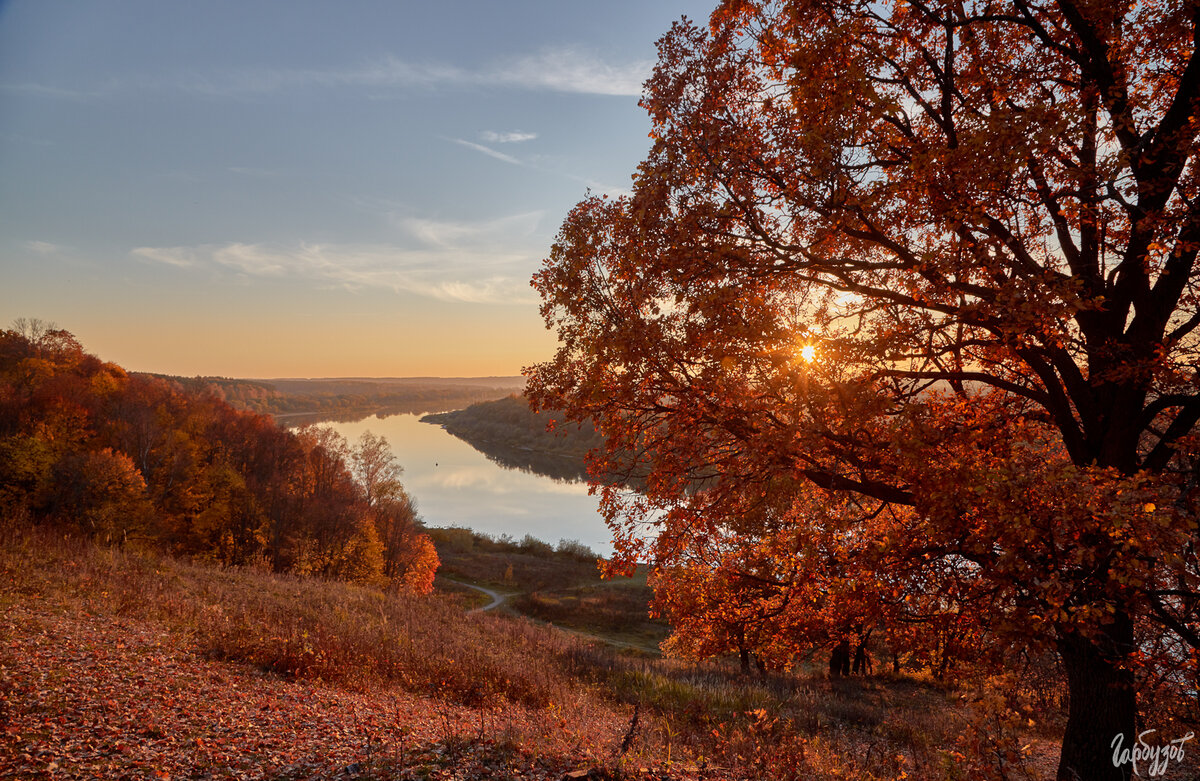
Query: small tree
361,559
416,564
103,493
376,469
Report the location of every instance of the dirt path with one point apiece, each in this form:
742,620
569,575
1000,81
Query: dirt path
497,597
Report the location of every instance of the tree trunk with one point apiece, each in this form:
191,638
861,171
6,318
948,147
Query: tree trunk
743,652
1103,703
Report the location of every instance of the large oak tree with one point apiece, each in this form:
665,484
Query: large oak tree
981,218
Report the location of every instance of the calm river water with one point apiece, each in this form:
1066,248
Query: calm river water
456,485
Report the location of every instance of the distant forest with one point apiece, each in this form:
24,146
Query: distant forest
508,432
348,398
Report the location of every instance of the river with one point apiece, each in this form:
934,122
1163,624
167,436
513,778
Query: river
456,485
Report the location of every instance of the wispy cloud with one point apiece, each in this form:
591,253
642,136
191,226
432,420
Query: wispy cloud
450,234
568,69
43,247
539,164
486,262
559,69
180,257
512,137
488,151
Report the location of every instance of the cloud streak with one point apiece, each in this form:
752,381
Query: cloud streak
479,263
454,235
179,257
557,69
466,278
567,69
43,247
488,151
512,137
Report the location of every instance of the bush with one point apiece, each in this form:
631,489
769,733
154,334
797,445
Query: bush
532,545
575,549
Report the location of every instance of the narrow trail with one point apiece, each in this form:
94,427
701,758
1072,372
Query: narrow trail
499,598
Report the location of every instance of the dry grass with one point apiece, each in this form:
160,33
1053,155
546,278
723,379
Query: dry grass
703,721
516,571
789,727
614,610
302,627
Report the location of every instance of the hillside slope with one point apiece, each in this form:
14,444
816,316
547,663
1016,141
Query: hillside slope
115,664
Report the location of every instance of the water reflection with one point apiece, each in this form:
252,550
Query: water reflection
558,468
456,485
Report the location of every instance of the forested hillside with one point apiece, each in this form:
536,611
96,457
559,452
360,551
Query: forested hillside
140,460
510,433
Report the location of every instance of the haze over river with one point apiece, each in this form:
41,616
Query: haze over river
456,485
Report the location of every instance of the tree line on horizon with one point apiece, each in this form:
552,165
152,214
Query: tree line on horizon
134,459
341,398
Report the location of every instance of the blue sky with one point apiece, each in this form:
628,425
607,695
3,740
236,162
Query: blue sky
266,189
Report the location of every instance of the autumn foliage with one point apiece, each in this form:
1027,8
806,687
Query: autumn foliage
133,459
898,330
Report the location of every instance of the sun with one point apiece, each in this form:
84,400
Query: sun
808,353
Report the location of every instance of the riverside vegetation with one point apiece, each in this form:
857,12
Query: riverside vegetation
508,432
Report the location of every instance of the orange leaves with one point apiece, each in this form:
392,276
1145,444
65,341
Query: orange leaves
137,459
1002,425
419,563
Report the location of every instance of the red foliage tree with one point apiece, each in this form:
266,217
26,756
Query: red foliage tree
981,221
103,493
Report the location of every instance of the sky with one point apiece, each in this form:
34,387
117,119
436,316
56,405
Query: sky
281,188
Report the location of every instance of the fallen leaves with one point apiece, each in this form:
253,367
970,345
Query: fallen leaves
85,696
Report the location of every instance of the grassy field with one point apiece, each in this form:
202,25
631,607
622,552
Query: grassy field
615,610
560,587
414,686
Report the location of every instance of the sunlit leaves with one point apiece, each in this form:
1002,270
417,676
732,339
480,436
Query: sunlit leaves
983,216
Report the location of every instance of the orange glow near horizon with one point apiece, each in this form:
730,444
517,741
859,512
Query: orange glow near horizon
292,347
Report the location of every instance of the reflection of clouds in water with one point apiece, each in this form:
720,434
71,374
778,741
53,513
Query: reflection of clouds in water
495,481
456,477
506,511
